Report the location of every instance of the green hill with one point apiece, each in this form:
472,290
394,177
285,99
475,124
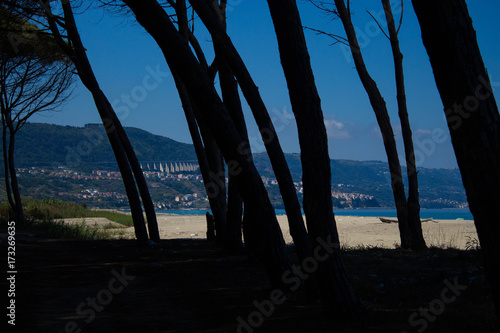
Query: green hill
86,148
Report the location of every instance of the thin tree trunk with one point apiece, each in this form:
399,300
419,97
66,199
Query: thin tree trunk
154,233
212,163
230,95
266,127
472,114
211,187
384,122
6,167
18,206
103,106
231,99
413,203
270,244
217,174
335,288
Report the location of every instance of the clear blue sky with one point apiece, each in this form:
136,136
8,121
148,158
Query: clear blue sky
124,55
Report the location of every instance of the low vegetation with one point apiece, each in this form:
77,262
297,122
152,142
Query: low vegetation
45,216
53,209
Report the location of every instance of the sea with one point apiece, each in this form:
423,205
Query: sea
437,214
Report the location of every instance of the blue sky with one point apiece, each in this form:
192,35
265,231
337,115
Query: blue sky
135,77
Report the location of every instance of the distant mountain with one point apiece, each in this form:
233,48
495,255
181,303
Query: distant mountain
87,148
84,148
439,188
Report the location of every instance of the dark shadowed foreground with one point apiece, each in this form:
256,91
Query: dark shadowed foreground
190,286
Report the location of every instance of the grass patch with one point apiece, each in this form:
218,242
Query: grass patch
51,209
117,217
79,231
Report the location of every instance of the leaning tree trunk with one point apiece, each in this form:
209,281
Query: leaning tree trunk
88,79
154,233
266,127
210,187
413,203
335,289
270,245
384,122
472,114
208,154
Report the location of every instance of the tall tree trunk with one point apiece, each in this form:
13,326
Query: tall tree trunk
103,106
231,99
384,122
6,165
413,203
217,174
472,114
269,245
266,127
154,233
211,187
335,289
212,163
230,96
234,243
14,185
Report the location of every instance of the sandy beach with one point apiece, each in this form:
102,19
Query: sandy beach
353,231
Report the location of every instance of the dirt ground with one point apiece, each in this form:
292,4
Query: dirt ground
189,285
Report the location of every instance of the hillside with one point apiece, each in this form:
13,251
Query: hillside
84,149
439,188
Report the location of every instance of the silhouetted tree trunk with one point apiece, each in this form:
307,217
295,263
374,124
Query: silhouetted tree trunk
78,56
5,147
413,203
211,186
229,89
34,77
269,245
218,174
472,114
335,289
231,99
266,127
384,122
14,184
211,163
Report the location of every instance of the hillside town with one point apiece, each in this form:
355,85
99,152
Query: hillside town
88,189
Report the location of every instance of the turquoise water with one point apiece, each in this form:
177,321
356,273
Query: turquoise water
438,214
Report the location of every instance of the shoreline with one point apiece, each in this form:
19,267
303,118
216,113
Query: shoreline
354,231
